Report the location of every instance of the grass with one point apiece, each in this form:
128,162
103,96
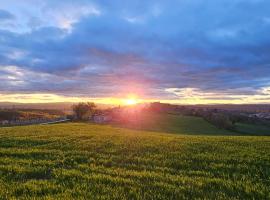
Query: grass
84,161
250,129
177,124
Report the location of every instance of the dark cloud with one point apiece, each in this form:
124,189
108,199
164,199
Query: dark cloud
141,47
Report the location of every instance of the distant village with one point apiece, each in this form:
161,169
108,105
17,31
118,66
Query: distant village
89,112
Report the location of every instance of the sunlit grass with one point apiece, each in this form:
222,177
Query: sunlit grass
71,161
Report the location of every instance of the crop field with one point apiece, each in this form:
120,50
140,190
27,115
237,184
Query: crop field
86,161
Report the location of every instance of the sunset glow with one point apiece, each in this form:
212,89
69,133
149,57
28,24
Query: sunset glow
185,96
131,101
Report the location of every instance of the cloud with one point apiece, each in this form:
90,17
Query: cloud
5,15
134,19
70,14
31,15
100,48
197,96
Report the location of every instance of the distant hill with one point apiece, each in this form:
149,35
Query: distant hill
66,106
238,107
63,106
50,106
29,114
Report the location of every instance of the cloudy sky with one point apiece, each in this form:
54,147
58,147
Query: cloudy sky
180,51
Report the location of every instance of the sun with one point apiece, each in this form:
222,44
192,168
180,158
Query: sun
131,101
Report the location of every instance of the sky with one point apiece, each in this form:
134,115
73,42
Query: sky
175,51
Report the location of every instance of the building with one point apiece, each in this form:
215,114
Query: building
4,122
102,118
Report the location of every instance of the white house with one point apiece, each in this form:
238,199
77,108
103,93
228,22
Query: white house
102,118
4,122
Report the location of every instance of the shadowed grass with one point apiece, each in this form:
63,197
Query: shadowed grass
250,129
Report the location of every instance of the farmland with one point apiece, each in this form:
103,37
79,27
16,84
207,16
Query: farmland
86,161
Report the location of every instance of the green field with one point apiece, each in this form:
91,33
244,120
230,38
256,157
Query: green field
177,124
250,129
84,161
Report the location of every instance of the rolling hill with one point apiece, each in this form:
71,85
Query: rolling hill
178,124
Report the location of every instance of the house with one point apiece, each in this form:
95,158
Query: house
102,118
4,122
260,115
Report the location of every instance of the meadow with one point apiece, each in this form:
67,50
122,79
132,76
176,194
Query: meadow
190,125
87,161
250,129
173,123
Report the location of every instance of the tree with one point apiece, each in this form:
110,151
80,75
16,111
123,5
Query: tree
83,111
222,121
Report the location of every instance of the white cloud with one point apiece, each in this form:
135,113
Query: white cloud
71,14
16,76
134,19
153,12
16,54
198,96
31,14
265,91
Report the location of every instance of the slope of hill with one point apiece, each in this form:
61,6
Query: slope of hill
178,124
250,129
73,161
